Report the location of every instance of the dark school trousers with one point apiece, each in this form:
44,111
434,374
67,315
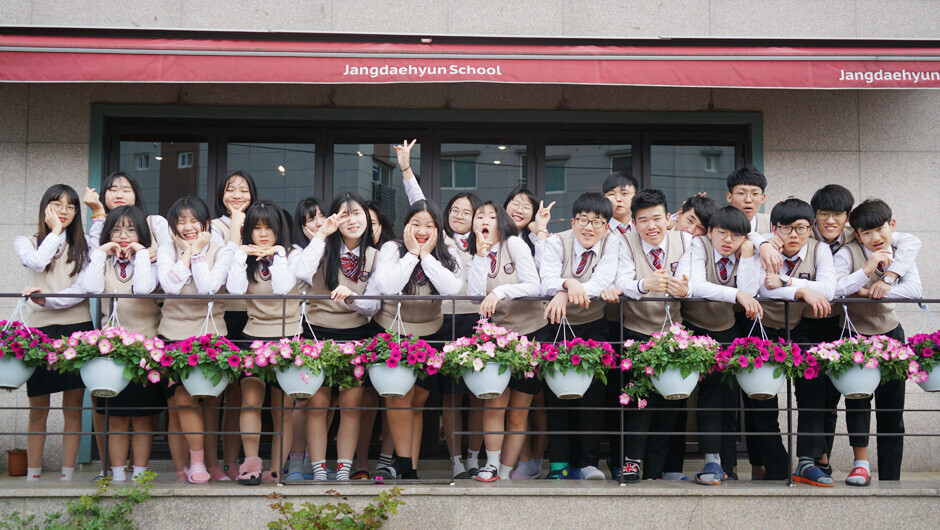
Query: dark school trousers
713,392
579,450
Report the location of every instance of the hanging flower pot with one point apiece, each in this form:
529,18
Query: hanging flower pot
760,384
299,382
857,382
391,382
672,386
931,384
488,383
103,377
568,385
13,372
199,386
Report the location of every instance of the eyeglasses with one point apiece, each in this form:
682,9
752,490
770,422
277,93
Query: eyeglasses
521,206
596,223
457,212
59,207
754,194
786,230
127,231
724,234
838,216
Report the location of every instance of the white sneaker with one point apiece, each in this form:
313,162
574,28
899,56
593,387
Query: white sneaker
592,473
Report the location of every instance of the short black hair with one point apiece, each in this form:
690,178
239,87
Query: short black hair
592,202
791,210
192,204
731,219
220,209
618,179
870,214
832,198
137,219
704,207
264,213
748,176
647,199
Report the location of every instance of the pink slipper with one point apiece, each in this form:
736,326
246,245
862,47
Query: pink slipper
197,474
216,475
250,472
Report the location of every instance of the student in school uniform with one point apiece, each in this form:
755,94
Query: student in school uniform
530,216
264,266
339,261
421,264
503,269
723,269
694,214
807,276
56,258
121,265
122,189
861,265
460,318
746,192
577,265
649,259
236,191
192,265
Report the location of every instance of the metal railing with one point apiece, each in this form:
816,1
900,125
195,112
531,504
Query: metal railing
741,409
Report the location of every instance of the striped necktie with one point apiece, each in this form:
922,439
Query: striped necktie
122,268
881,269
350,263
492,262
657,256
585,258
723,269
420,277
622,229
792,264
264,268
462,242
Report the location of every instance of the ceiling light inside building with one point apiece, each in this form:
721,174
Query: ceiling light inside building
359,153
497,162
282,169
158,158
502,148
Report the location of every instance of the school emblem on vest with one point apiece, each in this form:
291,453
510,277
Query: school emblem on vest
364,276
674,266
509,268
804,275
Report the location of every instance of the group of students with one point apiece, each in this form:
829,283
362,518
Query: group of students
623,246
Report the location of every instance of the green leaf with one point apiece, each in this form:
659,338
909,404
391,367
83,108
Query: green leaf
502,369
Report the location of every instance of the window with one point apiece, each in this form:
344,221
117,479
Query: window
572,169
711,161
142,161
554,176
681,169
381,173
184,160
161,184
283,172
459,172
490,170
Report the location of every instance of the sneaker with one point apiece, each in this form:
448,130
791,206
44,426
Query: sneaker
630,472
672,475
560,474
858,477
592,473
488,473
295,477
813,476
463,475
385,472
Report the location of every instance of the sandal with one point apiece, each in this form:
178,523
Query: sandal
197,473
488,473
859,477
362,474
249,473
813,476
711,468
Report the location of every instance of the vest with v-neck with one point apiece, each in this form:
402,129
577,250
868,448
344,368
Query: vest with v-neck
182,319
419,317
338,315
521,316
775,312
271,318
237,304
648,317
712,316
53,280
578,315
141,315
870,319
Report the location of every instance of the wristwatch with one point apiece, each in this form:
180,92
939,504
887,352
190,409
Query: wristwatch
784,280
888,279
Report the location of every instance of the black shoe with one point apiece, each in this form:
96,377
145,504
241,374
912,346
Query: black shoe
411,474
826,468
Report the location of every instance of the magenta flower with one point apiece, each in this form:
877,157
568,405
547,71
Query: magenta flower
758,362
927,352
576,359
359,371
233,361
810,373
742,360
193,359
431,369
186,347
550,355
392,363
166,361
607,359
412,359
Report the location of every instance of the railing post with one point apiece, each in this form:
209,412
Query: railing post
786,321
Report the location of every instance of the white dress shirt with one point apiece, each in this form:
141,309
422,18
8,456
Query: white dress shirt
755,237
413,191
605,269
908,286
392,271
615,224
626,279
38,258
699,286
160,231
526,273
144,273
306,267
174,275
282,270
824,284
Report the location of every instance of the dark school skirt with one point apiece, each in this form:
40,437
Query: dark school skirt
45,381
150,399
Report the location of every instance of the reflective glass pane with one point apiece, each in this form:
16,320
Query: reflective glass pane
371,170
166,170
489,170
682,169
571,170
283,172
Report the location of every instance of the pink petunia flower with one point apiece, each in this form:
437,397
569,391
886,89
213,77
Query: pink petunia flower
154,376
624,399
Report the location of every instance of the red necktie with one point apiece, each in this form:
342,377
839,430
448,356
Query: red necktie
122,266
585,258
881,269
657,255
492,262
723,269
420,277
350,265
463,243
264,268
622,229
791,264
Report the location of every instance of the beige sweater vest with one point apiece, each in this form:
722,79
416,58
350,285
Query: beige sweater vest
338,315
774,312
419,317
712,316
578,315
230,305
870,319
182,319
520,316
648,317
271,318
53,280
141,315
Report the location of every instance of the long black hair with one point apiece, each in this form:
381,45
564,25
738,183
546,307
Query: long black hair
440,251
475,202
524,233
504,224
334,242
264,213
306,209
135,216
388,231
220,209
138,194
74,233
191,204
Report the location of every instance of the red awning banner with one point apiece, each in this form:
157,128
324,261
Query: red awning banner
83,59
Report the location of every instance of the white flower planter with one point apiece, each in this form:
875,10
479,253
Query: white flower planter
488,383
391,382
568,385
932,384
858,382
293,384
13,373
103,377
199,386
760,383
672,386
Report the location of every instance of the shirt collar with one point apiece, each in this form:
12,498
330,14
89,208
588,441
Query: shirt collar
801,255
580,249
731,259
868,253
647,248
614,224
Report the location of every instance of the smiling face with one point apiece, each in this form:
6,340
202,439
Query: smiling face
652,223
119,193
314,223
124,233
794,240
263,236
689,222
747,198
589,234
485,222
520,210
831,224
64,210
188,226
236,193
423,225
877,238
725,241
460,216
353,219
